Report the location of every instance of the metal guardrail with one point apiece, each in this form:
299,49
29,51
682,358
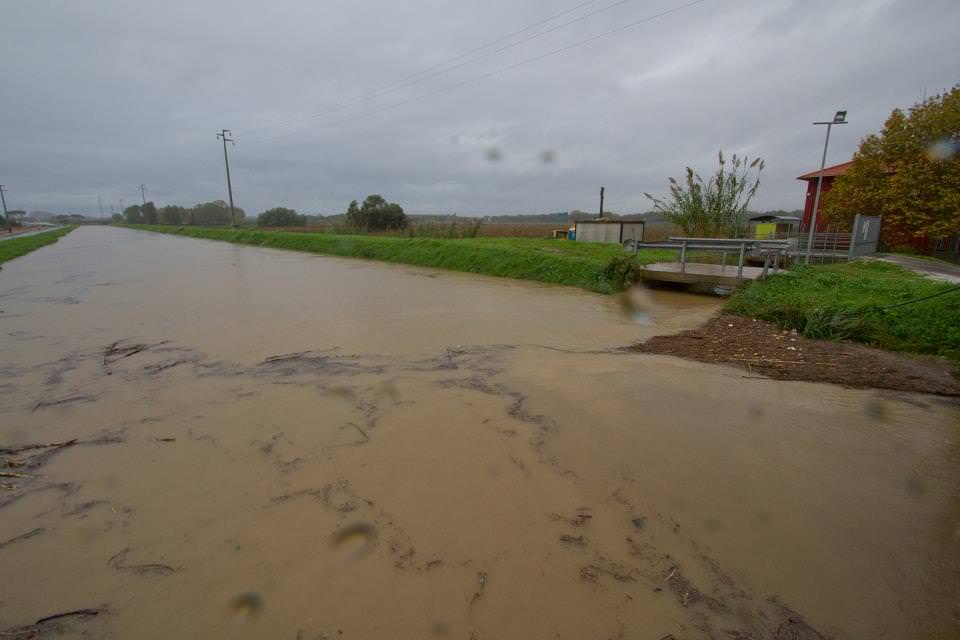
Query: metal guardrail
772,251
826,243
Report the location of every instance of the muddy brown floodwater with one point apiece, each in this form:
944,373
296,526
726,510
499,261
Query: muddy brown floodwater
262,444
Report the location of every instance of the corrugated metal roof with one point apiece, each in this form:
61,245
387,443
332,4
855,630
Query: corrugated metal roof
828,172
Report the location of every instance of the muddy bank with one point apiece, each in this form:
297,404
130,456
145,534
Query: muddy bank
760,348
204,440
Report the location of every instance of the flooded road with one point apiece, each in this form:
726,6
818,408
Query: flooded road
278,445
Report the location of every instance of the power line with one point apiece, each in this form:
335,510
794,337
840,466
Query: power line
204,159
497,41
200,161
913,301
498,71
414,79
445,62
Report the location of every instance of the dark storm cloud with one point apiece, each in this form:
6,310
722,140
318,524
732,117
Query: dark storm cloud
101,96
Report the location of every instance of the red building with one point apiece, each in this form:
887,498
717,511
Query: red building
946,248
829,173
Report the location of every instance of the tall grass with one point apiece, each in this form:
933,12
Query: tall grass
841,301
16,247
604,268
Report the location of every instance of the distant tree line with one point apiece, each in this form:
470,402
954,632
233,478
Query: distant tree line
215,213
281,217
375,214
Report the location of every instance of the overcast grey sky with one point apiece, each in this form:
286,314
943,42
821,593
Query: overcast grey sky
98,97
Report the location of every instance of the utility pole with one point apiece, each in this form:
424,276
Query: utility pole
601,201
143,194
225,136
839,118
6,218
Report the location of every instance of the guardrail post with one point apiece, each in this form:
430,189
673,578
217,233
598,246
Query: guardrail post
743,250
683,256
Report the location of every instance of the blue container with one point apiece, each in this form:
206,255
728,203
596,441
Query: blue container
572,234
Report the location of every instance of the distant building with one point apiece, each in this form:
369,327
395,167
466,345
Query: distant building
607,230
769,226
829,174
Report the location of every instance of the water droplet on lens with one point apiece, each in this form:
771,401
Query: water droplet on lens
361,535
638,304
248,606
942,150
875,409
916,486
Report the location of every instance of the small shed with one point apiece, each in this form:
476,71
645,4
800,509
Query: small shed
610,231
768,226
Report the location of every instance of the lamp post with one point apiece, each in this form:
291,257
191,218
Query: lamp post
839,118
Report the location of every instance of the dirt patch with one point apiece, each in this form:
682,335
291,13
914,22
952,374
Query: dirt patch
762,349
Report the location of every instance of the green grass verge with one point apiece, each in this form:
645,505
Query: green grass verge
839,302
16,247
603,268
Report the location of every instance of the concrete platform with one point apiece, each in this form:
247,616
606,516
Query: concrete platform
698,273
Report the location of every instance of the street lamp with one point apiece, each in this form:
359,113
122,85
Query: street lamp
839,118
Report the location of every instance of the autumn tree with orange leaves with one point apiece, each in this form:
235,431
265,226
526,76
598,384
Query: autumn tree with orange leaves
909,173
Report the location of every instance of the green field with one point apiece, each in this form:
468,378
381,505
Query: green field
844,302
16,247
604,268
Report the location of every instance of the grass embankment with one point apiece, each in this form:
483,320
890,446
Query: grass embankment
847,300
16,247
597,267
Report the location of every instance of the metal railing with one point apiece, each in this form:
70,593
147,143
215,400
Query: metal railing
773,252
828,245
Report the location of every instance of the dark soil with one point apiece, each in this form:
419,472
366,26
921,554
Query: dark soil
762,349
